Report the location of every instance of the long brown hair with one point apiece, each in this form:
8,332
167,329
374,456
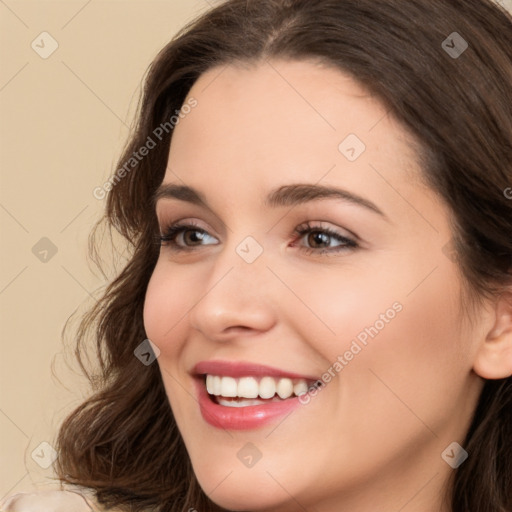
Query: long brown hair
123,441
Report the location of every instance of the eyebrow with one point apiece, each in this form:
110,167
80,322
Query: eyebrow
285,195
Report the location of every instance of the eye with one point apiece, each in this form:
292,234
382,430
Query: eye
320,239
185,237
182,237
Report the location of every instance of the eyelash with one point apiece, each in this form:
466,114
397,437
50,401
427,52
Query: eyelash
168,238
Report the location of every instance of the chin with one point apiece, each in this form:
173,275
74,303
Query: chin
244,489
249,498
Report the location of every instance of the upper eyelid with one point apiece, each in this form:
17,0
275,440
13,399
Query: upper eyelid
166,213
181,226
351,234
303,225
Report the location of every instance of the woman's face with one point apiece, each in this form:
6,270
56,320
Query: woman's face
364,297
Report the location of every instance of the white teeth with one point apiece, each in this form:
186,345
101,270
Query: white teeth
217,385
300,388
285,388
248,387
267,387
229,387
251,388
209,384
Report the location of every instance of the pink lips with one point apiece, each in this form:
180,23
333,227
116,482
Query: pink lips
242,418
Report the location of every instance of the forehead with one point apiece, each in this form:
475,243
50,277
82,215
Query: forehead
306,106
281,121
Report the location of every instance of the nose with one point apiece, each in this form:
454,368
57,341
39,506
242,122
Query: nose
238,298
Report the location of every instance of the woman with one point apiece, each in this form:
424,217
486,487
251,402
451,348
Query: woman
337,334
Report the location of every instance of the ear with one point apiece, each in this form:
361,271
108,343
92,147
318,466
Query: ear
494,356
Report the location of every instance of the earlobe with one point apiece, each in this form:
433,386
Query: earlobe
494,357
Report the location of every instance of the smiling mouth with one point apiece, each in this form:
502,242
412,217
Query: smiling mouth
249,391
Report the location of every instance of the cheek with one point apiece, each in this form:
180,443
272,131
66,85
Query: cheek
340,305
410,379
168,299
398,334
425,339
396,309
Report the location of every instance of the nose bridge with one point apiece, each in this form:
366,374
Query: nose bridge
237,291
245,258
242,267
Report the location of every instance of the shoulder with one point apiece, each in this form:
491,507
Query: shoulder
49,501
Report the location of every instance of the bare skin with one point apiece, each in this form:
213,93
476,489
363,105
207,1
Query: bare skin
373,437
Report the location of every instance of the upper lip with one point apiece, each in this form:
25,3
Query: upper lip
244,369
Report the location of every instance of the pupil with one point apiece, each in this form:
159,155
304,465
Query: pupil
193,236
318,238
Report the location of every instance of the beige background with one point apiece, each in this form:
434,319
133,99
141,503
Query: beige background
63,122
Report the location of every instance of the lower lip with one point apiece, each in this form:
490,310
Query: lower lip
242,418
